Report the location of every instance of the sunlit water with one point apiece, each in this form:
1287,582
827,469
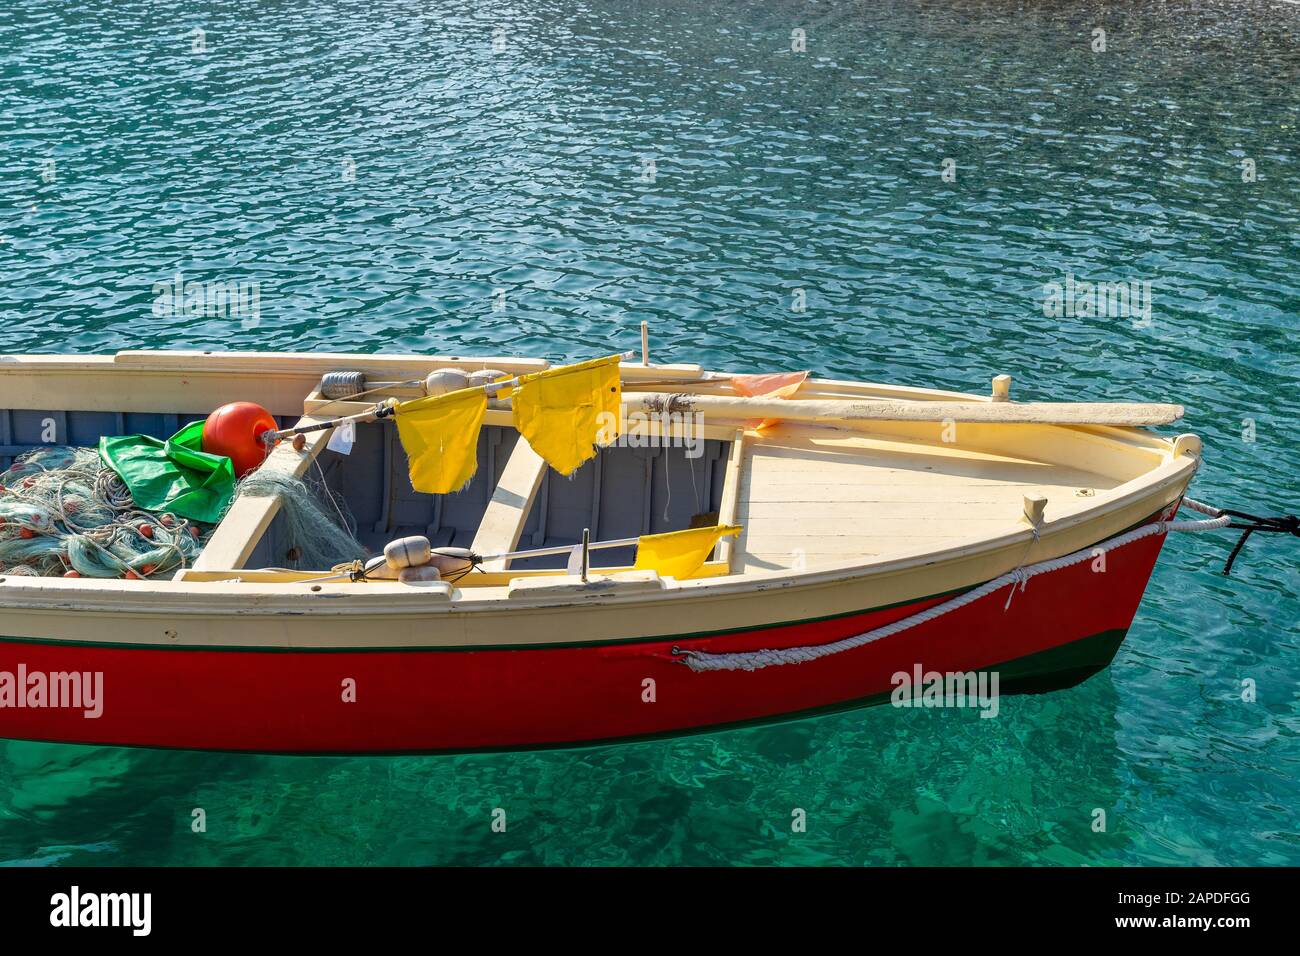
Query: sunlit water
391,181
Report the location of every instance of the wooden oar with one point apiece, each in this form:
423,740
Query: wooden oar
832,411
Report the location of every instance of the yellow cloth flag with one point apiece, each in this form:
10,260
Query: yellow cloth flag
679,554
565,412
440,435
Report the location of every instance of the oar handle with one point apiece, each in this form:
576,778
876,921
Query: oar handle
559,549
382,410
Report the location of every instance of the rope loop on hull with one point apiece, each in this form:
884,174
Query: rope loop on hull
1017,578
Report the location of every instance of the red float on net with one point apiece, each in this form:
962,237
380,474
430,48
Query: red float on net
235,430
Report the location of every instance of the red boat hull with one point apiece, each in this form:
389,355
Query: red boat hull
1062,627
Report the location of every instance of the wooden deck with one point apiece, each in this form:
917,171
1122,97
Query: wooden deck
807,502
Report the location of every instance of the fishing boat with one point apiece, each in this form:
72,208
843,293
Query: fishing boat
860,531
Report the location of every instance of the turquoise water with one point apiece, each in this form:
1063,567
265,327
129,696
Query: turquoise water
393,182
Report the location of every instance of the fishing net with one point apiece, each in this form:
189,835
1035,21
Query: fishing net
63,510
316,526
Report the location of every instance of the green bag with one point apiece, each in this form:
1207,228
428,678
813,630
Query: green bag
175,475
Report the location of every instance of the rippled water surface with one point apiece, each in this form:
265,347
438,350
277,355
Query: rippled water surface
480,177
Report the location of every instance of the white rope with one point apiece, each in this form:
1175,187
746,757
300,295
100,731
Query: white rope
1017,578
1202,507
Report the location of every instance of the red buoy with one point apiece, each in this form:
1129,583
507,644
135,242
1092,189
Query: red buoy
235,430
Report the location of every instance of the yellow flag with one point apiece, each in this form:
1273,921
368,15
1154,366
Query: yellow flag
679,554
440,435
565,412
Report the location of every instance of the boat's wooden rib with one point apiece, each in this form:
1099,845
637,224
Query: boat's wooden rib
507,512
729,548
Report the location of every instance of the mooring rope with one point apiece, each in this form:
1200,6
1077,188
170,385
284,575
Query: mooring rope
1015,579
